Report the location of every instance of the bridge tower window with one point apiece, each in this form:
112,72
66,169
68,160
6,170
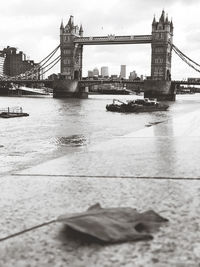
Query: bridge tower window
158,60
76,75
67,51
67,61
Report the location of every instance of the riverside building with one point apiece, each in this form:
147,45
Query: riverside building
14,63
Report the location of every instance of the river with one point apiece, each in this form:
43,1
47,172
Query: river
58,127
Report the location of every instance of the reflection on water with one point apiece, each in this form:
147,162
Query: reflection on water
72,140
165,150
58,127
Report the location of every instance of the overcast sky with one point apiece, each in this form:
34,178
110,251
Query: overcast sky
33,27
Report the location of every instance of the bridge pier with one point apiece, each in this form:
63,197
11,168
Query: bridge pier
68,89
162,90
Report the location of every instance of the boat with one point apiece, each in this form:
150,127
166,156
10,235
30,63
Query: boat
138,105
29,92
12,112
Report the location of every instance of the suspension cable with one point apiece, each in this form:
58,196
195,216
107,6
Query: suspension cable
49,54
175,48
52,65
185,58
55,60
38,67
186,61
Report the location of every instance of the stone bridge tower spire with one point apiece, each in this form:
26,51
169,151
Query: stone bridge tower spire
71,54
162,36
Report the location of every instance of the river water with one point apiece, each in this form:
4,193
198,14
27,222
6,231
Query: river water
58,127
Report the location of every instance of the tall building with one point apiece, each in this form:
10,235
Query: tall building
104,71
95,72
123,71
15,63
90,73
162,34
133,75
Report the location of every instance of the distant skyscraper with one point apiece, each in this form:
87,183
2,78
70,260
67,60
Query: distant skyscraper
90,73
95,72
104,71
133,75
123,71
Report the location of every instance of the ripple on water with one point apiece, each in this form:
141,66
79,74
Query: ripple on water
72,140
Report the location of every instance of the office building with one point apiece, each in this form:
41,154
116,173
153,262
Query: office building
133,75
104,71
95,72
90,73
123,71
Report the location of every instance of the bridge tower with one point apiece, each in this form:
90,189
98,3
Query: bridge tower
162,36
71,62
71,54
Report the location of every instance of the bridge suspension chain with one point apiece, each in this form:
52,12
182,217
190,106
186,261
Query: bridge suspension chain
47,58
55,61
176,48
51,62
53,52
186,59
42,66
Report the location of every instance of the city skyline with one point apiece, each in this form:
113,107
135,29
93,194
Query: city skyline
99,72
27,22
104,71
133,73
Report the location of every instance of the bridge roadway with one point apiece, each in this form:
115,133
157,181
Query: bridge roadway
108,81
186,82
92,82
126,81
112,39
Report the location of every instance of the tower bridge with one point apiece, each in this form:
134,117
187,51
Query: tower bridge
72,42
70,82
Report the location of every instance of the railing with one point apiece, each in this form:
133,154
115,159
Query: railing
11,110
187,82
124,81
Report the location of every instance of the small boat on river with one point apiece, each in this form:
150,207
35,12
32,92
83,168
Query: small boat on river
135,106
12,112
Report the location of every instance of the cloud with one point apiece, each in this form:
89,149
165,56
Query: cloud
33,26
